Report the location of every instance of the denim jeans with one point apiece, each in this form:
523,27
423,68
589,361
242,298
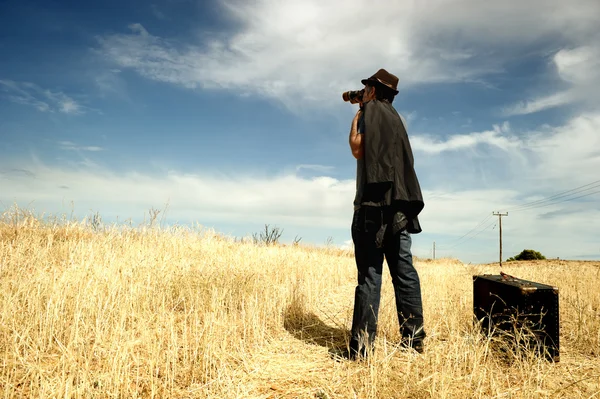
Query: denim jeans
369,261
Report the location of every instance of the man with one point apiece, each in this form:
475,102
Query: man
387,203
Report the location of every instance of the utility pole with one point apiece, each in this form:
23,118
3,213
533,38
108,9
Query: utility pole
500,225
434,250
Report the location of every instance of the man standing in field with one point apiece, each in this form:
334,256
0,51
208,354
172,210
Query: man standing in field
388,200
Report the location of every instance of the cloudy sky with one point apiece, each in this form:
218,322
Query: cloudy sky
228,113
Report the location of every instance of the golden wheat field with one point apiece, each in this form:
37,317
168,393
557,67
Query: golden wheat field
186,313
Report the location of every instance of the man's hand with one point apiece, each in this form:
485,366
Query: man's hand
356,139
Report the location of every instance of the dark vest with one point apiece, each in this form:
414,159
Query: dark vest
389,177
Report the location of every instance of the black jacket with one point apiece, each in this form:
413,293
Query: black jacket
390,178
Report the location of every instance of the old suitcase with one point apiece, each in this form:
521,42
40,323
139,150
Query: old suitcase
524,311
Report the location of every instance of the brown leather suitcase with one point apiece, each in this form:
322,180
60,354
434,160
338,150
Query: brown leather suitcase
525,312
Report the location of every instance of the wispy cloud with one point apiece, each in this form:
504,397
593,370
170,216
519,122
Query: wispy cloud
542,160
17,173
410,117
44,100
539,104
568,152
70,146
315,168
110,84
499,137
305,52
580,69
20,94
157,12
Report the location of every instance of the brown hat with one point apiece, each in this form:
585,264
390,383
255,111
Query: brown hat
385,78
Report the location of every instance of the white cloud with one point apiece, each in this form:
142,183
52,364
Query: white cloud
347,245
70,146
580,69
42,99
558,159
569,153
546,159
157,12
68,106
20,94
539,104
110,83
498,137
302,52
285,199
580,66
410,117
315,168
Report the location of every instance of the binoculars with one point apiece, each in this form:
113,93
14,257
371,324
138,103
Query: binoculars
354,96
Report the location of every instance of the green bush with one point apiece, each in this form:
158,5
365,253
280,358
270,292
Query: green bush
527,254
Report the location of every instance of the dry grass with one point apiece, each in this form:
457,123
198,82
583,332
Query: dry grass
181,314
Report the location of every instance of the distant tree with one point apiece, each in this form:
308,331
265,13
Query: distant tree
527,254
269,237
96,221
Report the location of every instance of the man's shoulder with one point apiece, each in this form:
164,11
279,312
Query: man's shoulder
391,111
403,120
399,116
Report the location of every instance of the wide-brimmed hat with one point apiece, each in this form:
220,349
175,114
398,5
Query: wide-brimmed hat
385,78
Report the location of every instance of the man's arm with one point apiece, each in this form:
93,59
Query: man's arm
356,138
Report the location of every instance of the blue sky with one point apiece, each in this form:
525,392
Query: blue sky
230,112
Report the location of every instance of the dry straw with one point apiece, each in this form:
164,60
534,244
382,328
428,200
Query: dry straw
88,312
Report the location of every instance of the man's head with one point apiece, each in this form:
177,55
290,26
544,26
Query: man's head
381,86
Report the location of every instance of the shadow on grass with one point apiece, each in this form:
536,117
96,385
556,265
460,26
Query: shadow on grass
307,327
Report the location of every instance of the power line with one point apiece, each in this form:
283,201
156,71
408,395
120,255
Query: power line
487,227
576,190
564,196
494,223
472,237
557,202
551,201
470,231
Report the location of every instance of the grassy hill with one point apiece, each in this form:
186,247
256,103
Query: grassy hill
126,313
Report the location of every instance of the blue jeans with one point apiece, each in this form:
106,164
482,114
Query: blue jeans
396,248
